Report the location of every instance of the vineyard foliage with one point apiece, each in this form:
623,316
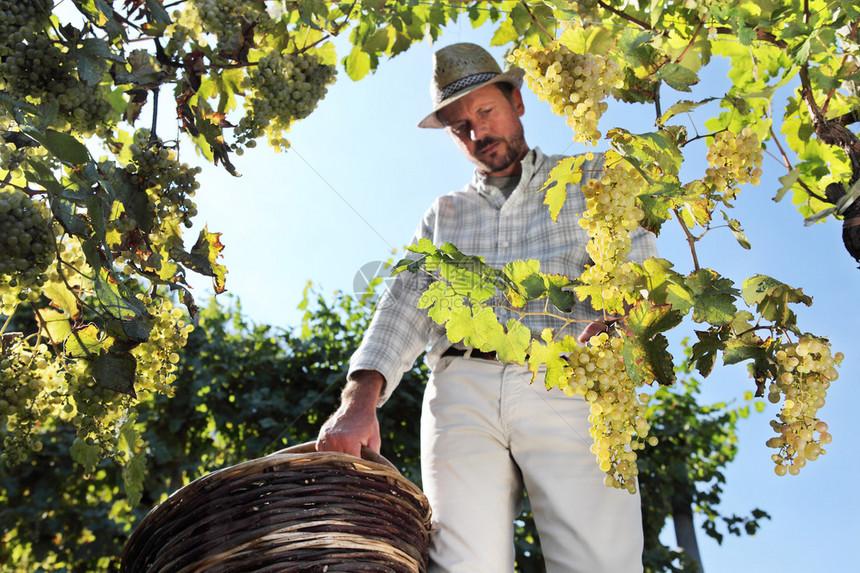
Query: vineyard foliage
94,200
245,390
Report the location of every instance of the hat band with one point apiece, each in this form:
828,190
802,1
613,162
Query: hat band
463,83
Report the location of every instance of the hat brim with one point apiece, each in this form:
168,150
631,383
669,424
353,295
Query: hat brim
514,77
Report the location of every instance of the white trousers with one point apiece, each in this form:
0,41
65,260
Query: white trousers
486,433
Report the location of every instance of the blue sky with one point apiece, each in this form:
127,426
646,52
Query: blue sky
358,179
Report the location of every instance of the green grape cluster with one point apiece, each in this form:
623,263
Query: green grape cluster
170,187
224,18
575,85
185,25
734,160
13,159
618,425
26,247
612,212
95,411
38,70
281,89
31,394
805,370
157,358
169,183
18,19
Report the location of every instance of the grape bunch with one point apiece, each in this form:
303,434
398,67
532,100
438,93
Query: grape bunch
38,70
224,18
734,160
20,18
169,184
26,245
31,394
96,412
282,89
612,212
157,358
618,426
574,85
805,370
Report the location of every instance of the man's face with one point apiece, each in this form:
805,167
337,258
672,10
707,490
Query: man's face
486,126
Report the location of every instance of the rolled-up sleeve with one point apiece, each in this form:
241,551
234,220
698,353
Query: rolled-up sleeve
399,331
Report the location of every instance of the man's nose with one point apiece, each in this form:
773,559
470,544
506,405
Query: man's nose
478,130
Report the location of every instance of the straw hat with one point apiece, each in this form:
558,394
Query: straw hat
460,69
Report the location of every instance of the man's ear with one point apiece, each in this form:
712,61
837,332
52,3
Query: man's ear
518,102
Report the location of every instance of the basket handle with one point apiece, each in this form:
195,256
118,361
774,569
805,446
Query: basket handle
311,447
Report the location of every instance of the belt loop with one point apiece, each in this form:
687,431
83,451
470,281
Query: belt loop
468,353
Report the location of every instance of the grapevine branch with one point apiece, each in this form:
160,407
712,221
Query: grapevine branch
7,323
761,35
692,41
535,20
830,132
787,162
624,16
43,325
691,239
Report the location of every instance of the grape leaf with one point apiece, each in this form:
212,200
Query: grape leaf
714,297
567,171
646,320
85,455
505,33
740,349
469,325
357,63
85,342
704,352
738,233
61,297
118,305
647,360
115,371
682,107
549,353
559,294
510,343
678,77
203,258
63,146
439,299
54,324
772,297
656,211
134,470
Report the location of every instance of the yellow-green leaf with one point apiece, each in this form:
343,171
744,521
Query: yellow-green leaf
568,171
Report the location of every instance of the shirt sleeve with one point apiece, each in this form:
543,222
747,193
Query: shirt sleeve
399,331
642,245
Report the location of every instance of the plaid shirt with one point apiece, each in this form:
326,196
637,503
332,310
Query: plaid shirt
479,220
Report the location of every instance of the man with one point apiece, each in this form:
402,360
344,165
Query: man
486,431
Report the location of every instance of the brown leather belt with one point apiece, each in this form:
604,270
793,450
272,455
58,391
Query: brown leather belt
470,353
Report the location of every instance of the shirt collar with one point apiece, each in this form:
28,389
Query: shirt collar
531,161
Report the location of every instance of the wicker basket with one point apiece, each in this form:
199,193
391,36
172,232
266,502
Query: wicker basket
294,510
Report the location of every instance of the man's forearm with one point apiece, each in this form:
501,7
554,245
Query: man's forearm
363,387
354,424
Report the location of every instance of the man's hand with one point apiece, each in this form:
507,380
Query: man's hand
354,424
592,329
597,327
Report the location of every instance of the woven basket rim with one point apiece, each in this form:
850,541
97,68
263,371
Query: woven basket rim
277,505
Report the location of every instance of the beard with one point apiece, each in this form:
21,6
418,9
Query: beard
506,152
